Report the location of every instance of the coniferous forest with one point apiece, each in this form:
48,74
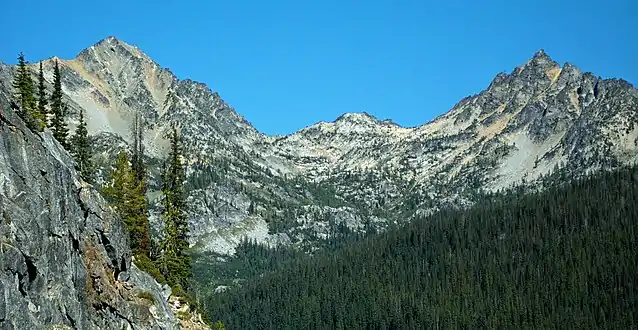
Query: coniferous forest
563,258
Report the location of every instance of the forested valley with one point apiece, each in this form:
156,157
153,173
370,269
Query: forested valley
562,258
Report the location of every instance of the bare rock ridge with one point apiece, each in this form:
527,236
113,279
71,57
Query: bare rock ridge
356,170
65,261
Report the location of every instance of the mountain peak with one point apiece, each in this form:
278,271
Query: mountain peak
113,47
541,59
359,118
541,54
356,117
109,42
109,39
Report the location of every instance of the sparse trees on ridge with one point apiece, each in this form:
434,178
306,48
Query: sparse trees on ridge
58,109
127,199
81,149
35,113
126,191
24,97
42,97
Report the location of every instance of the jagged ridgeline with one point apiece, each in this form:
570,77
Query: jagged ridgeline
566,257
325,184
357,170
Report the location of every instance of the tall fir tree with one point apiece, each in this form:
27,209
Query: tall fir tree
118,184
58,109
42,97
21,96
126,198
25,98
139,175
81,150
175,261
137,158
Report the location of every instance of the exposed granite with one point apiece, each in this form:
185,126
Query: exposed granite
65,260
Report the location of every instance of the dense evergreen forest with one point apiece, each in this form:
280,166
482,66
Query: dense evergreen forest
563,258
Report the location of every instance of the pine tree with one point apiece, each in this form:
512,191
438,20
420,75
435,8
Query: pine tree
139,175
42,97
175,262
118,185
25,98
140,227
81,150
58,109
137,158
21,98
127,199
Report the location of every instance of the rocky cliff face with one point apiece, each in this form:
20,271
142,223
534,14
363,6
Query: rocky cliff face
65,261
358,170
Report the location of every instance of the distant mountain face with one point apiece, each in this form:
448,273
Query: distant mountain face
356,171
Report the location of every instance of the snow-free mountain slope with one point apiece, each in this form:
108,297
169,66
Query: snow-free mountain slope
357,169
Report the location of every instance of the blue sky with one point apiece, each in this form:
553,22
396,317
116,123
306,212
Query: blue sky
284,65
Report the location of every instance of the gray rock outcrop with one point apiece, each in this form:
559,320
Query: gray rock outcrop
65,261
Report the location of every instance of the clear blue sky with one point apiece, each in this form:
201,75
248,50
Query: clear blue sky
287,64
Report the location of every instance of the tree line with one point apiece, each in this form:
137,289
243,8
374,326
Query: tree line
40,111
125,189
565,257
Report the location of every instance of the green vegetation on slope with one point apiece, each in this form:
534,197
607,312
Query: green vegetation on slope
251,259
58,109
127,197
175,260
567,257
125,189
24,97
81,149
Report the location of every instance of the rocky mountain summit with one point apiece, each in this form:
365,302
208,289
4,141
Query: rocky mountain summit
64,256
356,171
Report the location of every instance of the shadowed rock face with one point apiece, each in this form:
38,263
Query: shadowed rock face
64,257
